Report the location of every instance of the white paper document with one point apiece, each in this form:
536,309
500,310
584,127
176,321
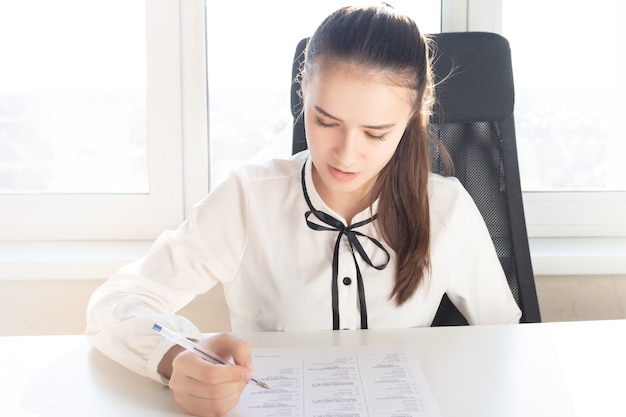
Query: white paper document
338,381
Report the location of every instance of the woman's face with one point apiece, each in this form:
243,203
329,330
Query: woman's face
354,121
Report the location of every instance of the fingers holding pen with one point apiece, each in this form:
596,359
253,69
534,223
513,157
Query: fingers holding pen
194,370
227,346
205,389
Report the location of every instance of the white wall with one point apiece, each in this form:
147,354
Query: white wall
58,307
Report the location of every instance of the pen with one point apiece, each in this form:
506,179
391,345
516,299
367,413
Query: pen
189,345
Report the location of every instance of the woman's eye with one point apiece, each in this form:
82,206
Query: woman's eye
377,137
320,123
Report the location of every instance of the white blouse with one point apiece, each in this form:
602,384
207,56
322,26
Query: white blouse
274,251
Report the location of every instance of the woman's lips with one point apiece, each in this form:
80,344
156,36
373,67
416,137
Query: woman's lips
342,176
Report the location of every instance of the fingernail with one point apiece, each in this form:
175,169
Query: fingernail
247,376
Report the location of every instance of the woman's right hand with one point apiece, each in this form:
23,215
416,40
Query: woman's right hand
202,388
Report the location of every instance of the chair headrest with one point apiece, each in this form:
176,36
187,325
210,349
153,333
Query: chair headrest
474,77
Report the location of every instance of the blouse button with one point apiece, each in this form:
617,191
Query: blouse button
347,281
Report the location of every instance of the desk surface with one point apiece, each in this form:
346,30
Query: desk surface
550,369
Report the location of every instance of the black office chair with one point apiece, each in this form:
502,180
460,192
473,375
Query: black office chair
474,120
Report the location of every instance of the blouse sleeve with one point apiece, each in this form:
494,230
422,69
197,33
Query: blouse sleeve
205,249
478,285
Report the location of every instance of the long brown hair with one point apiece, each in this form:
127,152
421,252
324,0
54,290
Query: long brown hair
378,38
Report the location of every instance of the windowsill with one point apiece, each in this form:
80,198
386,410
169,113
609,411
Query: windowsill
579,256
99,260
67,260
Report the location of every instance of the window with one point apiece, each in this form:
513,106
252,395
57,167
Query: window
567,108
568,86
565,81
67,99
141,91
91,142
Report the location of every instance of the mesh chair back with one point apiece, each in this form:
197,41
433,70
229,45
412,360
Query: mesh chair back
474,121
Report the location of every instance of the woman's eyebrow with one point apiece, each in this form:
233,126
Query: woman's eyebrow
374,127
325,113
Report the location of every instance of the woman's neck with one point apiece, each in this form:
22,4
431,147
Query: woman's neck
345,204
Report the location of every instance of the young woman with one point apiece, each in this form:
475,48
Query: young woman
353,233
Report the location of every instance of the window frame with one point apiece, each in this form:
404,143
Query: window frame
177,149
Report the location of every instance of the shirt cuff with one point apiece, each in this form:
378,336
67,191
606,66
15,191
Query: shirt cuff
155,359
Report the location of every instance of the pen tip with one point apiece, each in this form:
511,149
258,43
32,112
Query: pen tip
157,327
263,384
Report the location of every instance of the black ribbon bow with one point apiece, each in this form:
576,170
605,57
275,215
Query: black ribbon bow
329,223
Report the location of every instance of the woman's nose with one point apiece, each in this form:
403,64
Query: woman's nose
347,149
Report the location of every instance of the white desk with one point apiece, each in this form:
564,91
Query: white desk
552,369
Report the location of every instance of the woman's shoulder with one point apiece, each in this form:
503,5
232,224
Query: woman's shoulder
441,187
447,196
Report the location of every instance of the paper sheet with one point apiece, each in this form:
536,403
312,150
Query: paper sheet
338,381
